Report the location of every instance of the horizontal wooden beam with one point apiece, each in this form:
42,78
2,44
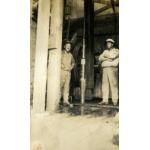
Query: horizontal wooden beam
103,18
98,11
107,2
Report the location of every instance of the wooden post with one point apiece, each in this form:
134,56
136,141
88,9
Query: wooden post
55,46
89,35
41,56
31,2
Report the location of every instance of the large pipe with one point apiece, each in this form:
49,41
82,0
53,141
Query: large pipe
83,61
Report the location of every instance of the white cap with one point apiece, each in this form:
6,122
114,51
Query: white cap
110,40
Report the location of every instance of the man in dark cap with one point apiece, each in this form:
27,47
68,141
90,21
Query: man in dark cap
67,64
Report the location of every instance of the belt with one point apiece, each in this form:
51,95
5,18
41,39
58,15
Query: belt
66,70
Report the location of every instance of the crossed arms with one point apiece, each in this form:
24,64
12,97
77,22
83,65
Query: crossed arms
109,58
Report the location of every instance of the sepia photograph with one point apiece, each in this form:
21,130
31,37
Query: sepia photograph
74,74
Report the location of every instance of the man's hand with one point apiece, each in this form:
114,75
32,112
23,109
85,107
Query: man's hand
72,66
113,54
62,66
104,59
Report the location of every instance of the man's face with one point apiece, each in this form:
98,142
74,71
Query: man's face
68,47
109,45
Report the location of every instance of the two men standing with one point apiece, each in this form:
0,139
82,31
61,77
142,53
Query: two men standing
109,60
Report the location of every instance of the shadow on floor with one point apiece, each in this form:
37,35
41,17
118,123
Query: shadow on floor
92,109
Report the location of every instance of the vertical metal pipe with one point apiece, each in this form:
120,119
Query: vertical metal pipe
83,80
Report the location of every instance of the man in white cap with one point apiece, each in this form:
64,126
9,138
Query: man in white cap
109,60
67,64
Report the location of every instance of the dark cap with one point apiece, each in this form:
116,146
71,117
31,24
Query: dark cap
67,42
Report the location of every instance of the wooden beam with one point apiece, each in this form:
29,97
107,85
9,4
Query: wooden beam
31,3
98,11
89,36
54,66
107,2
40,73
98,21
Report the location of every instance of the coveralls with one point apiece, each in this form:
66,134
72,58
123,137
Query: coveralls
109,62
67,64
